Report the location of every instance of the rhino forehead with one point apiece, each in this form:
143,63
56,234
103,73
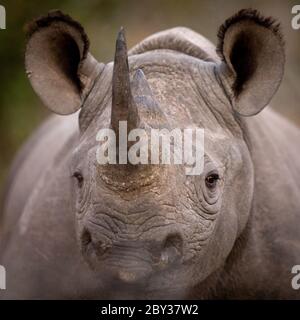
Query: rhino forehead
186,88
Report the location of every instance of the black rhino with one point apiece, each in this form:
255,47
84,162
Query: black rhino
74,229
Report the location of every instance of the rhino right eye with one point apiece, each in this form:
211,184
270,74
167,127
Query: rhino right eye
78,176
211,181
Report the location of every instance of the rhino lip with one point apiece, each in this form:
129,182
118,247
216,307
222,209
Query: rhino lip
118,270
130,276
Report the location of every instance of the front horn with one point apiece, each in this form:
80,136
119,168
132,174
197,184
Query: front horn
123,107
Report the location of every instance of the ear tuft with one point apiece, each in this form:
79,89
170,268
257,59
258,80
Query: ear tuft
252,15
56,16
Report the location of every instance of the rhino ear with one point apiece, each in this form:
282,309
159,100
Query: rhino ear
58,64
252,50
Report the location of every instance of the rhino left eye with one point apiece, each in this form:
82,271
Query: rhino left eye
79,178
211,180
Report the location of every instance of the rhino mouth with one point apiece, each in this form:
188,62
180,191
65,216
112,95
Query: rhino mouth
130,262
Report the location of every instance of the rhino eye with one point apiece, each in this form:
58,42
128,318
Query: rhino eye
211,180
78,176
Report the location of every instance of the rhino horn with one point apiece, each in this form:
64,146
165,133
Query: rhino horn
123,107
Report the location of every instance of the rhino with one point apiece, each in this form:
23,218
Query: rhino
74,229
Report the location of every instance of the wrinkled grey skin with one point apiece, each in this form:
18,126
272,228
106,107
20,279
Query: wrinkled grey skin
151,231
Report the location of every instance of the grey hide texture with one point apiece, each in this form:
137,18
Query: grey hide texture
73,229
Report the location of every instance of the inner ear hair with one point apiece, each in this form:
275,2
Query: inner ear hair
244,43
251,15
59,17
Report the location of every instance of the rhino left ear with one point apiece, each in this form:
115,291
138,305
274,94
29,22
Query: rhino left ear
58,63
252,50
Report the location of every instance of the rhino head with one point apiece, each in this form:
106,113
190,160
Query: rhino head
152,225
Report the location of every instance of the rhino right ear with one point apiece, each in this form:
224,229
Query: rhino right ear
58,63
252,50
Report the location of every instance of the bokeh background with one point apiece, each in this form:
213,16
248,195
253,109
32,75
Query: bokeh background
20,109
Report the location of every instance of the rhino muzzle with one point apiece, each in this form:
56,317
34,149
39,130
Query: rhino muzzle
131,260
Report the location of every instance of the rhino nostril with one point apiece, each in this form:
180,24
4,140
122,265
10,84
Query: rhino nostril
98,246
171,250
174,241
86,237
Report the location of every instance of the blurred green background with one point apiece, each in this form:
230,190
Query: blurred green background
20,109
